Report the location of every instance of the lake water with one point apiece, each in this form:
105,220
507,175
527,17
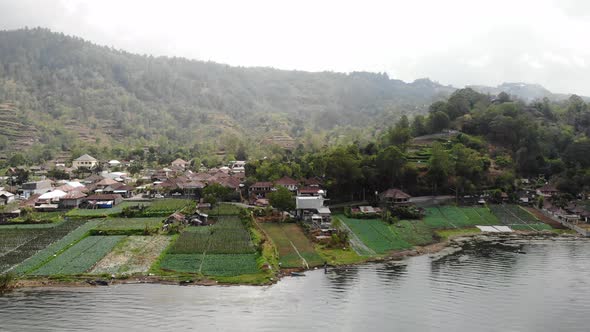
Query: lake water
543,286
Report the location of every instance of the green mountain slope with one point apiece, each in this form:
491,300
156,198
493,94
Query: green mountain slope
74,93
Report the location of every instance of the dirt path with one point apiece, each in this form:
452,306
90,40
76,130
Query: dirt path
359,247
298,254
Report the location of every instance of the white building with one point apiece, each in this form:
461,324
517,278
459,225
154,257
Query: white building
311,208
85,161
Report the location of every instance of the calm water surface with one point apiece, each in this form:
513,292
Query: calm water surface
543,286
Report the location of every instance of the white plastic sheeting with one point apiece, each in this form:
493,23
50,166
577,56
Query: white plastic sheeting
495,229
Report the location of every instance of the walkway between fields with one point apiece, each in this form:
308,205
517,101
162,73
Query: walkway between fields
359,247
298,254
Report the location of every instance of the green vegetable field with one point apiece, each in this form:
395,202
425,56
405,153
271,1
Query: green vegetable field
165,207
223,249
518,218
97,213
47,253
443,217
376,234
80,257
18,244
287,238
130,224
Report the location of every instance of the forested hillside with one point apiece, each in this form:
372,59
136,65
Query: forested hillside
75,95
465,145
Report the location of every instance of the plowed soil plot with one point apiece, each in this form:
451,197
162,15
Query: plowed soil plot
135,254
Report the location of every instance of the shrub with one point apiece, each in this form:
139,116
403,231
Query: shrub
5,280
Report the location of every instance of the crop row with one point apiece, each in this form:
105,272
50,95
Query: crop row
28,241
96,213
286,238
227,236
121,224
81,257
375,234
166,206
57,246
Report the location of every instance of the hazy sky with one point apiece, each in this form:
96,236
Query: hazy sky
454,42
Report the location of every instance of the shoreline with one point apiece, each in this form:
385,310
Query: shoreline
440,249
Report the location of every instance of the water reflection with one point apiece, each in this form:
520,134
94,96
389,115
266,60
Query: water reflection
492,288
391,273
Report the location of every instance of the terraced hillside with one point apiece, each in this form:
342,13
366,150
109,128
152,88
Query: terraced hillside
15,132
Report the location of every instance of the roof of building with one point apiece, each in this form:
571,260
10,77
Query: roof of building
104,197
286,181
106,182
6,193
262,184
85,157
395,193
52,195
548,188
309,190
73,195
180,161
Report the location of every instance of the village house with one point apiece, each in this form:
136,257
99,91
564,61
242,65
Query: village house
85,161
72,200
394,197
238,166
114,163
32,188
103,200
312,209
260,189
102,184
119,188
311,191
547,191
6,197
180,163
288,183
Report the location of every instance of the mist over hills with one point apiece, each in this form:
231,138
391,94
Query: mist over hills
71,94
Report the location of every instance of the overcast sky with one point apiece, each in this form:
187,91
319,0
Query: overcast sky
454,42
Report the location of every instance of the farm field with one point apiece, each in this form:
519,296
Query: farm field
98,213
444,217
45,254
414,232
19,244
225,209
286,238
518,218
41,217
114,225
165,207
222,249
376,234
134,254
79,258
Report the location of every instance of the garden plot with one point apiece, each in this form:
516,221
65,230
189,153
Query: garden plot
165,207
81,257
56,247
223,249
517,218
447,217
375,234
99,213
134,254
117,226
292,245
19,244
